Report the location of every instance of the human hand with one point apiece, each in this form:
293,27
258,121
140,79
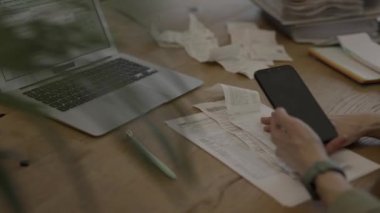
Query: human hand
350,129
296,143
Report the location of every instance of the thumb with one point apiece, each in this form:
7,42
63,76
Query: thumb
335,144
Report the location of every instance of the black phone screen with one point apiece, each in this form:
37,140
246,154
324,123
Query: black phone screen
284,88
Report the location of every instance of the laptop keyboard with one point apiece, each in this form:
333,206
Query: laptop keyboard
87,85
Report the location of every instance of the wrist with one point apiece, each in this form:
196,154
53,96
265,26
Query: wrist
372,129
330,185
320,169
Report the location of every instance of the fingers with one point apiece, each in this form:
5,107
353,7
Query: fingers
335,144
278,130
277,121
281,112
281,119
265,120
280,115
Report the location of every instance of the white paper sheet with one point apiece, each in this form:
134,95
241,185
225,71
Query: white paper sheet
167,38
273,52
255,43
199,40
251,48
218,112
248,162
235,60
238,140
240,100
235,28
249,36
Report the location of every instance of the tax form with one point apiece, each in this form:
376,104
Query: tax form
239,142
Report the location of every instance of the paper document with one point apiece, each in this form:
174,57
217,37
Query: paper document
198,41
238,140
256,165
251,48
234,59
256,44
362,48
240,100
294,12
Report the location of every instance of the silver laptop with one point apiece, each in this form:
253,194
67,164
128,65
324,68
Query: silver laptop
95,89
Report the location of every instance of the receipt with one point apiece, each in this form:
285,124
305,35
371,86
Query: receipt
228,52
234,28
268,52
255,43
239,100
251,48
167,38
235,60
199,41
247,37
244,66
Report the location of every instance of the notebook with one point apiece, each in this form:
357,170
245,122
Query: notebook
344,63
95,88
361,47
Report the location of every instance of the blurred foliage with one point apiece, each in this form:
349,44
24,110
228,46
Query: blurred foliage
22,47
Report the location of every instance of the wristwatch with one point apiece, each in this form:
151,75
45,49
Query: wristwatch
313,172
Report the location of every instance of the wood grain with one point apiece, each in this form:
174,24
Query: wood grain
106,174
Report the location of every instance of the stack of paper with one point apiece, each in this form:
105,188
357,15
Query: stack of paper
320,21
231,131
313,8
251,48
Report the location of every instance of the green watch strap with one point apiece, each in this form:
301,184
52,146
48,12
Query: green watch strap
312,173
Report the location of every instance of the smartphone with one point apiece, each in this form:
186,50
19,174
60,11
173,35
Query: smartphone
284,88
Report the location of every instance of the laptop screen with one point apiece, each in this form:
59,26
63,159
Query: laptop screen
74,29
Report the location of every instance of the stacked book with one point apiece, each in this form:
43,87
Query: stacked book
320,21
357,57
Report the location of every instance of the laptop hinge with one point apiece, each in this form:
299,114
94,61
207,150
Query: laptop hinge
63,67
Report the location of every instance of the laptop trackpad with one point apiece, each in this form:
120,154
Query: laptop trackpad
98,116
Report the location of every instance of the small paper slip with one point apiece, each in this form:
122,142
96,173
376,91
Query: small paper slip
251,48
249,35
256,163
235,29
167,38
344,63
268,52
240,100
198,41
362,48
235,60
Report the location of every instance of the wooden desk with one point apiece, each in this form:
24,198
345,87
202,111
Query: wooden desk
106,175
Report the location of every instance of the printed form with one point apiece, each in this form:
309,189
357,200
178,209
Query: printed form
238,140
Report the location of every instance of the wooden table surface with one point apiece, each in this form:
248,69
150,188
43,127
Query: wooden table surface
73,172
